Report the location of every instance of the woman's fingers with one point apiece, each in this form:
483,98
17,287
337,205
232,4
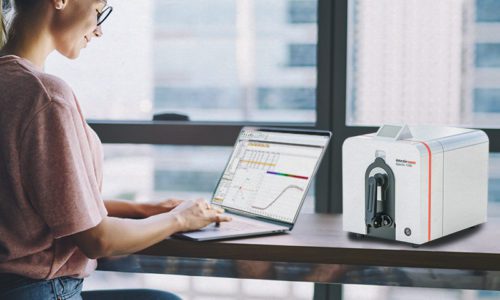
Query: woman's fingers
205,212
217,218
224,218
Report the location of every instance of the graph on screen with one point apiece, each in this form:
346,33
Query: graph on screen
268,179
274,198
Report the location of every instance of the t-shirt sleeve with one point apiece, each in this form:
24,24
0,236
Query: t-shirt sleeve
58,172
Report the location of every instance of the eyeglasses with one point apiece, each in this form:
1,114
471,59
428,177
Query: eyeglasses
103,15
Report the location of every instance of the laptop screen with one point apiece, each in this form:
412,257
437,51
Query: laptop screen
269,172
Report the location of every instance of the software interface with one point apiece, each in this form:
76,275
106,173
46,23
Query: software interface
269,172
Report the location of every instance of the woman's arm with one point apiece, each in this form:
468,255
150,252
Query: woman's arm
115,236
134,210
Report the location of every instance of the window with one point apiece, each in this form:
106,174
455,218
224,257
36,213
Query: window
206,59
417,63
423,63
434,42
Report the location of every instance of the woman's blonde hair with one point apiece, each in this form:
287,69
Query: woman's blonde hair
9,11
3,29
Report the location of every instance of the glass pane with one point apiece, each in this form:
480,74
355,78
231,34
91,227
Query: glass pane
229,60
433,62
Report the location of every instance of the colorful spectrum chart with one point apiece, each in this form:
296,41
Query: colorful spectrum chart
267,179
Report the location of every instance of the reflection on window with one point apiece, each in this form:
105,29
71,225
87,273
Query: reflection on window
203,58
423,62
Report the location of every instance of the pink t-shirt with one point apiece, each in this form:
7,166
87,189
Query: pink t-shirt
50,174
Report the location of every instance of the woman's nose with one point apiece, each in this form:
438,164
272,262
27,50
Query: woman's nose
98,31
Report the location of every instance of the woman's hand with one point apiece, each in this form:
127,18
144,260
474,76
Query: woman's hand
118,236
193,215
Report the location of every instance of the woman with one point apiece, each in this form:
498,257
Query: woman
53,222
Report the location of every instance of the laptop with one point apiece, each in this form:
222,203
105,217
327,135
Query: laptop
265,182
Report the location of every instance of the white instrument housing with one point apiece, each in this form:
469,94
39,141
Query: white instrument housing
440,178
